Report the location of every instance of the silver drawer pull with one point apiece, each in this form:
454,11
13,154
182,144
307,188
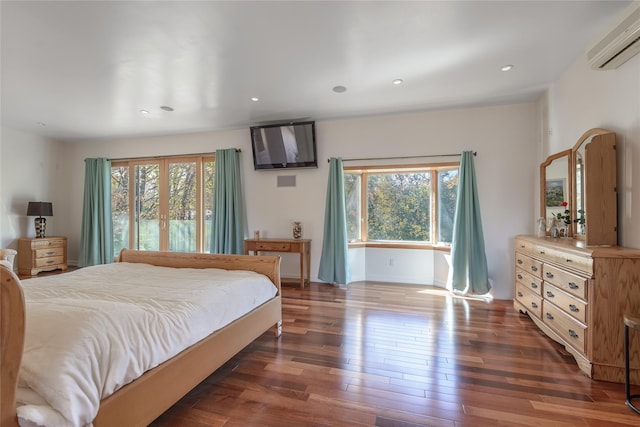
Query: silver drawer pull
519,261
520,294
534,305
550,294
572,285
549,316
520,276
572,333
541,252
534,286
50,253
573,308
534,268
50,261
569,260
549,275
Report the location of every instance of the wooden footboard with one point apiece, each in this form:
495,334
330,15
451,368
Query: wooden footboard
11,343
143,400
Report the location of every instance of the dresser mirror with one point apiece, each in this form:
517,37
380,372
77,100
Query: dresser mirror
556,186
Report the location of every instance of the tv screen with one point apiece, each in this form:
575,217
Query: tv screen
284,145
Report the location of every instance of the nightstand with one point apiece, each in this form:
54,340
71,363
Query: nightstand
41,254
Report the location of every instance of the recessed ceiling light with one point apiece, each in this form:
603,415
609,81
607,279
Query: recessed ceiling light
506,67
397,82
339,89
255,99
166,108
144,112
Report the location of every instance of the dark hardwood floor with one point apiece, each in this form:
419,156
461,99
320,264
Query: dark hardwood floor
399,355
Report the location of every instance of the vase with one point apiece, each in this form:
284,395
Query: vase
297,229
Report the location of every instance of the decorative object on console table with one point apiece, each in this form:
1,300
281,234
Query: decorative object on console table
297,230
299,246
41,254
577,295
40,209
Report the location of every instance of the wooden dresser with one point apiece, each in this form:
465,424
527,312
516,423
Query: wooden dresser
578,295
41,254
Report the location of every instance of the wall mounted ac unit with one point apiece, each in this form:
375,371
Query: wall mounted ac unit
620,44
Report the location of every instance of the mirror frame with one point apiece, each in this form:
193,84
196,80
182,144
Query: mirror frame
584,139
568,153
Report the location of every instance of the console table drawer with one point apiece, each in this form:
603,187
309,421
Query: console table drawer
271,246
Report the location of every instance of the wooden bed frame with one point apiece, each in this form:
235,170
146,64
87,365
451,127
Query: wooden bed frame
143,400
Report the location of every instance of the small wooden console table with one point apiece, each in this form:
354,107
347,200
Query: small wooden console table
300,246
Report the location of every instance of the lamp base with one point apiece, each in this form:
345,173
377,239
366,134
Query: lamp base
41,226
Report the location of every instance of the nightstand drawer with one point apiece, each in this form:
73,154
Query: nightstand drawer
51,261
50,252
48,242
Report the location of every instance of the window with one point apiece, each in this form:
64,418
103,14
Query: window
409,204
163,203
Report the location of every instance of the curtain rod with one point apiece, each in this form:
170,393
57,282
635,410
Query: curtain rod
162,157
403,157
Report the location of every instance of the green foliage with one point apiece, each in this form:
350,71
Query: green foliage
399,206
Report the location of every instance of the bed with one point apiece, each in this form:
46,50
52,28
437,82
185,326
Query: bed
130,405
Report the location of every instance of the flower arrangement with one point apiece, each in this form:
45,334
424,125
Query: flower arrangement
564,216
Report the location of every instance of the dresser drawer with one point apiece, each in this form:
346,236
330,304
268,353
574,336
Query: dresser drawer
529,280
273,246
49,252
569,329
528,299
529,264
571,305
566,281
51,261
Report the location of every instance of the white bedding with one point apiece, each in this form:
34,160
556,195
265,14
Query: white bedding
91,331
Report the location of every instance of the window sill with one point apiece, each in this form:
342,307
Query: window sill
401,245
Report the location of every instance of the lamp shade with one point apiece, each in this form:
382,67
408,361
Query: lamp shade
40,209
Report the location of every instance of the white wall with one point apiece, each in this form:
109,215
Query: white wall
583,99
30,170
505,137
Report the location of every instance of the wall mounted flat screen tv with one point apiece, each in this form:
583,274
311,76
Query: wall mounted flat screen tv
284,146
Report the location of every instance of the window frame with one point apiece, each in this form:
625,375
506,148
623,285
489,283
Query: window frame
433,169
163,188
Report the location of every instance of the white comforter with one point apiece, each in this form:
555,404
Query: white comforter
91,331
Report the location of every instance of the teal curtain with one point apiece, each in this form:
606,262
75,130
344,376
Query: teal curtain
334,260
96,238
229,216
468,257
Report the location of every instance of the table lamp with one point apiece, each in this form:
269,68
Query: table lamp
40,209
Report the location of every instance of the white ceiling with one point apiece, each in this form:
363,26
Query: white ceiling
83,70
